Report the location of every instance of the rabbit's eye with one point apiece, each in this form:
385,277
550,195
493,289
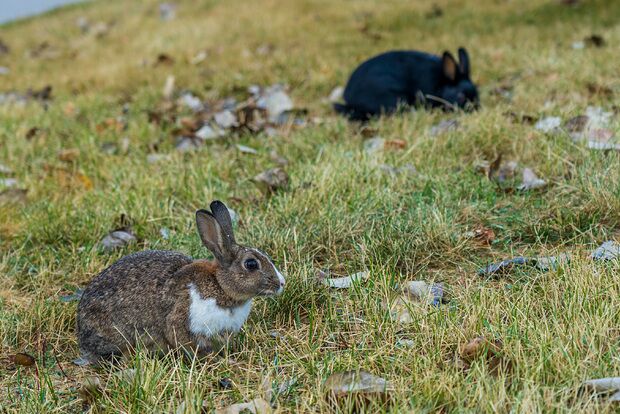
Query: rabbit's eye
251,264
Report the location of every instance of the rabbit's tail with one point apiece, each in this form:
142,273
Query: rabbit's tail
350,112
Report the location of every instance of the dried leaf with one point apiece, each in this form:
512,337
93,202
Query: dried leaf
350,383
504,266
188,144
189,100
225,383
552,262
275,101
168,90
444,126
154,158
406,169
604,384
346,281
609,250
576,124
608,386
395,143
8,182
22,359
206,132
256,406
278,159
373,145
167,11
431,294
5,170
272,180
548,124
483,235
91,389
336,94
74,297
117,239
164,59
13,195
594,40
544,263
531,181
598,117
594,89
69,154
246,150
225,119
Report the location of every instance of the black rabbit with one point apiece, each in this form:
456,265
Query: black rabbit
395,79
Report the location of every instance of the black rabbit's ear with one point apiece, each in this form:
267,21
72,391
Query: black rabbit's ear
449,66
464,62
212,235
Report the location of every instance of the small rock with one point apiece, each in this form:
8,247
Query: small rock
609,250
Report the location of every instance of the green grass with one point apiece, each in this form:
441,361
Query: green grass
341,212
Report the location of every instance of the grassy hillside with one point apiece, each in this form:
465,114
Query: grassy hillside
82,156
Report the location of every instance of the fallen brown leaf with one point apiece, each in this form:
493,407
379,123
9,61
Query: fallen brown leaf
23,359
69,154
271,181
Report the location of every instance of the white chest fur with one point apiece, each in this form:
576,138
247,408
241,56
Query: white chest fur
208,319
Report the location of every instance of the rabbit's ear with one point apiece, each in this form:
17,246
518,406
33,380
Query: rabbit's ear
222,215
464,62
449,66
212,235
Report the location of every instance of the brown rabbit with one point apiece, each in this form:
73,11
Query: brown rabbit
164,299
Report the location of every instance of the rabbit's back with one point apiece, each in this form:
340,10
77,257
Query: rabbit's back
131,296
384,81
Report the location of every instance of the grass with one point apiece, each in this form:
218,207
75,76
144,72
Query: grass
557,328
